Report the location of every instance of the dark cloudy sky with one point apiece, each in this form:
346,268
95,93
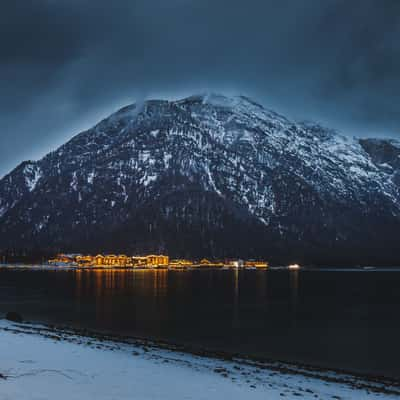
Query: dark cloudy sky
64,64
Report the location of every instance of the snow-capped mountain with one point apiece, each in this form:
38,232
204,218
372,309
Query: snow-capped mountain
209,175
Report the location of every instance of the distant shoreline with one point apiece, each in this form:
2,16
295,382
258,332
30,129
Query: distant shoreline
47,267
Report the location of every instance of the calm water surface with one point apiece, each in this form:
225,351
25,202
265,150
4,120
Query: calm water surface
347,320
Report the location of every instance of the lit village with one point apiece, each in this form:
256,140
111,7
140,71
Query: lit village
149,262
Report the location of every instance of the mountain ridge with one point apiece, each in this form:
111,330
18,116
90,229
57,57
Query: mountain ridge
209,175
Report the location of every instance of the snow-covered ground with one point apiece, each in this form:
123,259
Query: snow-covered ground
37,362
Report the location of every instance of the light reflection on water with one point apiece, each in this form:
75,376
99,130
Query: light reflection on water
294,287
348,320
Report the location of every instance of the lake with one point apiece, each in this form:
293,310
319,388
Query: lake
340,319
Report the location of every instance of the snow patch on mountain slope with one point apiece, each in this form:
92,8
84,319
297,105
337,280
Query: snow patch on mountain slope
74,181
90,177
32,174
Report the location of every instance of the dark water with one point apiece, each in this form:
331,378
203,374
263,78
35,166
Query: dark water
347,320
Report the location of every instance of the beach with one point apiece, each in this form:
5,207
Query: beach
41,362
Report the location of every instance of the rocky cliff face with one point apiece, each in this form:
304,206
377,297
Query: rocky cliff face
209,176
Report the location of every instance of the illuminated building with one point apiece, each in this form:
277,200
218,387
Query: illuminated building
157,260
84,260
257,264
64,259
181,263
99,259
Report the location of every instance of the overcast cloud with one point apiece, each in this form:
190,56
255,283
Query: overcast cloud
64,64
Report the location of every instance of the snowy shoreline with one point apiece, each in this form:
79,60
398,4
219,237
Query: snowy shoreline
38,361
